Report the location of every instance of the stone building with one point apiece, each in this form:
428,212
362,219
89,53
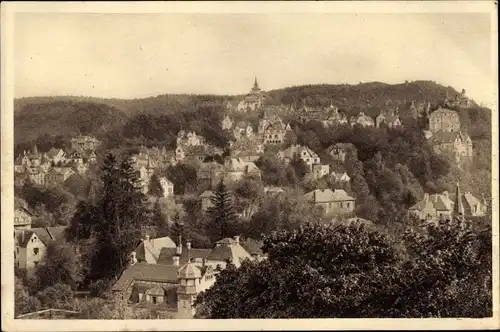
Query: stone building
252,101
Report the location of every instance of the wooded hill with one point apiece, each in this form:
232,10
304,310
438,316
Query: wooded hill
68,115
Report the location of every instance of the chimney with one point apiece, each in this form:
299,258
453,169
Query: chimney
175,260
146,237
133,258
179,249
237,239
188,245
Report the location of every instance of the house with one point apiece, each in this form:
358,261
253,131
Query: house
22,217
84,143
441,206
444,120
57,175
272,129
196,153
327,116
189,139
319,170
235,169
460,100
179,275
252,101
148,250
247,149
306,154
209,174
336,202
167,187
420,110
338,151
227,123
31,244
55,155
362,120
388,118
206,200
36,174
340,176
242,130
273,190
457,146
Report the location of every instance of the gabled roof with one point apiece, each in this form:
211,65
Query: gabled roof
225,250
45,234
146,272
167,255
327,195
446,137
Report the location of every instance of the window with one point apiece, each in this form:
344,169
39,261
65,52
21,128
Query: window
17,249
348,204
153,299
35,263
35,251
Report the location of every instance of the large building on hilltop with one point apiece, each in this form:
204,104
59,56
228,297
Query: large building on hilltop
444,119
447,138
253,100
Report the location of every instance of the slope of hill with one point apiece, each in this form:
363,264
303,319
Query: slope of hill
63,117
69,115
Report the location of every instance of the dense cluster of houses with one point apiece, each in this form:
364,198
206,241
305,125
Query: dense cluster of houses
56,165
441,206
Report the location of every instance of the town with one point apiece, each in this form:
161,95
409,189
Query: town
212,204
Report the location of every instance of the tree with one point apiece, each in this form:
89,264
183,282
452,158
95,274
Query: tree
62,264
122,209
159,220
23,301
57,296
314,271
155,189
299,166
356,270
221,214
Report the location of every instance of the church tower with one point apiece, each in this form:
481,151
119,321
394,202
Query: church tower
255,86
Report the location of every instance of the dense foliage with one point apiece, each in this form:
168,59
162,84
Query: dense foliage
353,270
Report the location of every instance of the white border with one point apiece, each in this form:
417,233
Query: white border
9,9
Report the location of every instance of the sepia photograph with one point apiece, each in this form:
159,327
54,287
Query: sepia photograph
174,165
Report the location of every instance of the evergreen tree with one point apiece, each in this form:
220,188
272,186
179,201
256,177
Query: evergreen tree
155,189
177,228
122,209
159,220
221,214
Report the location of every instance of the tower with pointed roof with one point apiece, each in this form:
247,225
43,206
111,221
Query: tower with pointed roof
458,206
255,86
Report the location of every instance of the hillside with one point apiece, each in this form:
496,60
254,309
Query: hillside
68,115
63,117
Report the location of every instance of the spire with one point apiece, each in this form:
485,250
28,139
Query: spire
255,85
35,150
458,206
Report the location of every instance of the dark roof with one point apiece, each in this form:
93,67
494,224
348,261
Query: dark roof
146,272
167,254
48,234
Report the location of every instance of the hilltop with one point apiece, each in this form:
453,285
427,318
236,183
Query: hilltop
68,115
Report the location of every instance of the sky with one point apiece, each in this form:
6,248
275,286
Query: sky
141,55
